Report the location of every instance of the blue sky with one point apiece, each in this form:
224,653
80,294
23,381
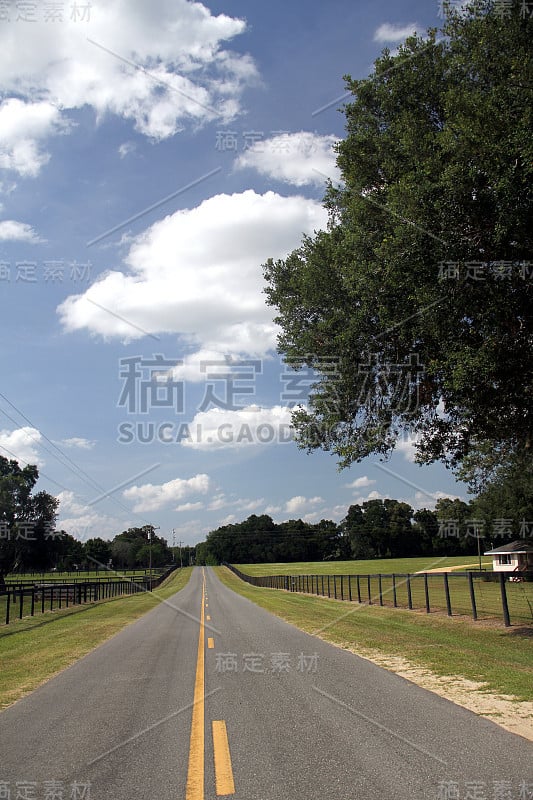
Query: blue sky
152,157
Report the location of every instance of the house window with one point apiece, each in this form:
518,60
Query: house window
504,559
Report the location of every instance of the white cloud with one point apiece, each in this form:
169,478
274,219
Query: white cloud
300,503
407,447
195,367
12,231
78,442
189,507
220,428
296,158
370,496
273,509
360,483
21,444
160,64
83,522
152,497
126,148
228,520
429,499
198,273
23,127
394,33
250,505
218,502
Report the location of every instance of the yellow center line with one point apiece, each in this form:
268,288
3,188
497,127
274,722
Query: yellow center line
223,769
195,774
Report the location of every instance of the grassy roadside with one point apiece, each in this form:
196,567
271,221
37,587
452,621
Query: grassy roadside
34,649
501,658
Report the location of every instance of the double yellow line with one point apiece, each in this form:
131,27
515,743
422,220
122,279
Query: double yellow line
223,769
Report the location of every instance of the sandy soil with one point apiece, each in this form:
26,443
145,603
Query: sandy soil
448,569
513,715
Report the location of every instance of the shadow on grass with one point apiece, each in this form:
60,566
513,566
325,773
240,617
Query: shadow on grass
51,616
526,631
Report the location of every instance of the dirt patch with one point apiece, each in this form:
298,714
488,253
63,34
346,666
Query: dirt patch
448,569
508,712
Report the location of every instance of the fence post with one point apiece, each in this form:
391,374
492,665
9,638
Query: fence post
335,587
394,598
32,611
369,592
350,588
329,595
42,599
426,592
472,595
342,587
409,596
21,602
8,603
380,590
505,606
358,588
447,593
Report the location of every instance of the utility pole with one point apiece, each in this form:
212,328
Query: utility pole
173,544
181,559
150,537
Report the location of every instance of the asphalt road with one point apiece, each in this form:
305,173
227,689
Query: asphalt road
293,717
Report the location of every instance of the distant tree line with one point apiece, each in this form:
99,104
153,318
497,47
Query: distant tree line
29,540
374,529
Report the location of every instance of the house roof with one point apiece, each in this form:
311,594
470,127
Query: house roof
518,546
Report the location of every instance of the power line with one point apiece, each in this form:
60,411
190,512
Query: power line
77,470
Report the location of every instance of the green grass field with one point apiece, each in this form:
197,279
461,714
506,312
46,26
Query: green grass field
371,567
34,649
487,594
85,575
500,657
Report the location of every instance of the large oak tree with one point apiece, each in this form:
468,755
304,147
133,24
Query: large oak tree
421,288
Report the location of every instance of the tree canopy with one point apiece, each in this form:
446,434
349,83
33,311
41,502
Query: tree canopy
27,520
421,288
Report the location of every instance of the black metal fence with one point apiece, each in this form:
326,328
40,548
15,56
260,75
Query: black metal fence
476,594
27,598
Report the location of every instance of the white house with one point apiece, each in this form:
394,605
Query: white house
512,557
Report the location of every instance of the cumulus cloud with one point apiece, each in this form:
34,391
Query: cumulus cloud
219,501
77,442
429,499
360,483
152,497
83,522
297,158
12,231
198,273
370,496
22,445
220,428
126,148
299,503
23,128
189,507
196,367
407,447
394,33
161,65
